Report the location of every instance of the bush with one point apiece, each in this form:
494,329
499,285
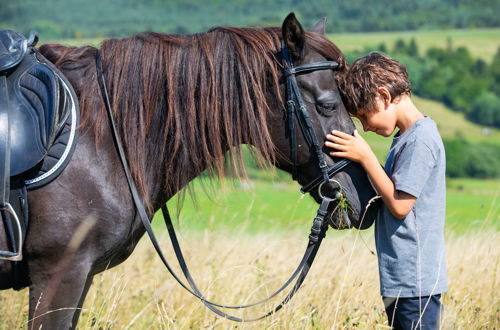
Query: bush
473,160
486,110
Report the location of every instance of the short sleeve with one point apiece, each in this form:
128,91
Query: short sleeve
412,167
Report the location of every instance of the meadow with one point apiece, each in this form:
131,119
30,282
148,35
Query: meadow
255,206
341,291
482,43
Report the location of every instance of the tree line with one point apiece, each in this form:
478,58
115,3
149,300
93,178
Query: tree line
56,19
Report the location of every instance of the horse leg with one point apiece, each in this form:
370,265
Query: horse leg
78,311
56,298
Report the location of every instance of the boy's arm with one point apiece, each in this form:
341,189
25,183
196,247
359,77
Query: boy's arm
357,149
398,202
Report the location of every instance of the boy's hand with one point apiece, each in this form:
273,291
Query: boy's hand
347,146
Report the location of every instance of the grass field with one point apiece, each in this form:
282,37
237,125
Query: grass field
278,206
341,291
482,43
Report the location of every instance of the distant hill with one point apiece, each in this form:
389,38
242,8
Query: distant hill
93,18
482,43
450,124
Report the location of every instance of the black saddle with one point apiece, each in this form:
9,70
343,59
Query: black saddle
38,118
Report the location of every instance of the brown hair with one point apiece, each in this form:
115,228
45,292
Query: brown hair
182,100
360,84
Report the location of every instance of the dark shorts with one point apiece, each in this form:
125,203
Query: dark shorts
414,313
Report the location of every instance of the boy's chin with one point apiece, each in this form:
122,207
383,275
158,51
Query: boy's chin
384,132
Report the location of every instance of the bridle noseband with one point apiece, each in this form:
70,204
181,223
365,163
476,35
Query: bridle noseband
296,108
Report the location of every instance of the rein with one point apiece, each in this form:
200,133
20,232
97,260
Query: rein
295,107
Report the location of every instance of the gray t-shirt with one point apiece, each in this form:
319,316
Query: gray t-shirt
411,252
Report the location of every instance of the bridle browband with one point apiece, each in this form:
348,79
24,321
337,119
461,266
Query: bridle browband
295,107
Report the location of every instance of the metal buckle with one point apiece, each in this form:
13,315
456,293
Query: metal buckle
19,256
337,195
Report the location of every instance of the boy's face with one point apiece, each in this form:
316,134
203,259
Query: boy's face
381,120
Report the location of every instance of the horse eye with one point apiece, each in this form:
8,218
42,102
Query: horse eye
327,106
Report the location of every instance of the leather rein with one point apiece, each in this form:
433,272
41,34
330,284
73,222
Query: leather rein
295,108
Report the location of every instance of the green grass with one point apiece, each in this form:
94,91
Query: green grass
482,43
250,207
264,206
473,204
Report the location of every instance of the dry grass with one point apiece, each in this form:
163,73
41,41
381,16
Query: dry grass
341,291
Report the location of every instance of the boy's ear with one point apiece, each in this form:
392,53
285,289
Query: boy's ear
385,96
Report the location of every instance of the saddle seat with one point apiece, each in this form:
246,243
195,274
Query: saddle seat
38,101
38,118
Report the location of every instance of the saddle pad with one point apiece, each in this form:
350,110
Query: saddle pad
59,154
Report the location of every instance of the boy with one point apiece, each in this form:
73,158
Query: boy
409,228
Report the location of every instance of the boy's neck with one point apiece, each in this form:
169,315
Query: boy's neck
407,114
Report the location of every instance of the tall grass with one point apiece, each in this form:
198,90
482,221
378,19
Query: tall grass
340,292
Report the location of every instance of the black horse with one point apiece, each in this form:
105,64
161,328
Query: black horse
181,102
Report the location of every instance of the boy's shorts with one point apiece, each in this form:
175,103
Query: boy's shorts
414,313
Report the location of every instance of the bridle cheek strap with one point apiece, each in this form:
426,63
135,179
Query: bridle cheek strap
297,110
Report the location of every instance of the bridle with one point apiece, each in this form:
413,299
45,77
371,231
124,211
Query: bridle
297,108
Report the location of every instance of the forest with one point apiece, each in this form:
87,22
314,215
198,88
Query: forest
118,18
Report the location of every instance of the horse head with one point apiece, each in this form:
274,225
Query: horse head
318,89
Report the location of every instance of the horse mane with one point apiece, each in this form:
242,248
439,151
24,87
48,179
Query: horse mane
182,101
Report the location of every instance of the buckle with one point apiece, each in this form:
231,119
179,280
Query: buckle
337,194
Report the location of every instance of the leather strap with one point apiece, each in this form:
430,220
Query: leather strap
4,144
339,166
317,231
298,110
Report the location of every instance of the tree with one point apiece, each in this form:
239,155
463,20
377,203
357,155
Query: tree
486,110
413,48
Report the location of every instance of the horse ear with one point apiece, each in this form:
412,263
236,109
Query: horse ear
320,26
293,35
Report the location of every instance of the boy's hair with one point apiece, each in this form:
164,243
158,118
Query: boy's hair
360,84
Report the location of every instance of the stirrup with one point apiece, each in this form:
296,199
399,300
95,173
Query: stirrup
9,255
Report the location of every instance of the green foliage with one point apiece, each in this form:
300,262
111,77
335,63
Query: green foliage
473,160
93,18
486,109
452,76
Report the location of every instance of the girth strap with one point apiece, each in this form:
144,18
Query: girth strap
317,231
